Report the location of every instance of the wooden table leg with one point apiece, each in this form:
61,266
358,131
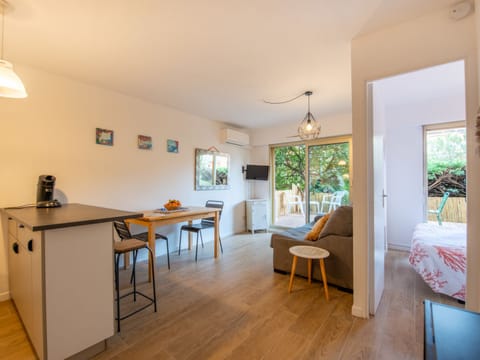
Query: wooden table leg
151,245
292,274
216,235
309,263
324,278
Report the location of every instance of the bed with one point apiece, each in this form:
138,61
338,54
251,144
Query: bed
438,254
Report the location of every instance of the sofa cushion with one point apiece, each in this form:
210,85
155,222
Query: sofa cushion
339,223
313,234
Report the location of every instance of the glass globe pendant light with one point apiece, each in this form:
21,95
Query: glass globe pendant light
309,128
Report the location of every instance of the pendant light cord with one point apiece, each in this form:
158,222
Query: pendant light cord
306,93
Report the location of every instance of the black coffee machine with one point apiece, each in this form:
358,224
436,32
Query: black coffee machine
45,187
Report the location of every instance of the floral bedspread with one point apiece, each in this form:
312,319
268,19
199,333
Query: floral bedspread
438,254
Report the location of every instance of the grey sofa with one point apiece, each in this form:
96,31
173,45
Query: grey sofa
336,237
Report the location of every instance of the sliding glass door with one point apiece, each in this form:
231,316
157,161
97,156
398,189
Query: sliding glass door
289,185
325,165
328,177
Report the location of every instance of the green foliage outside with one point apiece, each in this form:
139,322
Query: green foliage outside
446,161
290,167
329,168
447,146
436,169
444,177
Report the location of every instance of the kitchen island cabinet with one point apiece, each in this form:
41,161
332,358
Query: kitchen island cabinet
61,276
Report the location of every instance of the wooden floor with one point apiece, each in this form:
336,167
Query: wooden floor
236,307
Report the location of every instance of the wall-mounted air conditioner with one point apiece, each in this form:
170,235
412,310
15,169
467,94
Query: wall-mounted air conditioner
235,137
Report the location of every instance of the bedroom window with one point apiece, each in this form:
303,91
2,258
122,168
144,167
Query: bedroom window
445,172
324,165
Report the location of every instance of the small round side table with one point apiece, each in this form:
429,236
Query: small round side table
310,253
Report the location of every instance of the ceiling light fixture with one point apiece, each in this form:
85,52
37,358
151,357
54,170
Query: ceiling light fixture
10,84
309,128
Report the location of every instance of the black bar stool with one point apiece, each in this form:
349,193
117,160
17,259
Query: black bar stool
124,233
122,247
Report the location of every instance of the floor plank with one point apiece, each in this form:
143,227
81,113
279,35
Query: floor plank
236,307
14,343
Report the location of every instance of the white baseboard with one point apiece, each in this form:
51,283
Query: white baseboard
359,312
4,296
398,247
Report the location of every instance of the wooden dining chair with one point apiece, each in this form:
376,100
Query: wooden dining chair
207,223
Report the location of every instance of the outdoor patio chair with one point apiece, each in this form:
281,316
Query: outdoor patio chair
438,211
296,200
333,201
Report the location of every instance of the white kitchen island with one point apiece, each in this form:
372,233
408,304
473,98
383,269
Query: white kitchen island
61,276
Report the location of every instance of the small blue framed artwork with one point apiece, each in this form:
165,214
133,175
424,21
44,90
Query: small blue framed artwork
144,142
172,146
104,137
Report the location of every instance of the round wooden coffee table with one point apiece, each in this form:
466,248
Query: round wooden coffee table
310,253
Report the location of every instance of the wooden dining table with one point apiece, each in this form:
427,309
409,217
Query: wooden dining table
156,218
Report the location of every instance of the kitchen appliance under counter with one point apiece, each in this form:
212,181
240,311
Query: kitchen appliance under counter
61,276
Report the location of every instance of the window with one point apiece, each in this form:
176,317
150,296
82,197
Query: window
445,170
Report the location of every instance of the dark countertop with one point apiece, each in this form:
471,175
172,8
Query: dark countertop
67,215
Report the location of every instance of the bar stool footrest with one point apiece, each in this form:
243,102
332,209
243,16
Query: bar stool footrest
152,302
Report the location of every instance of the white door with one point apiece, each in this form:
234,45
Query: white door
377,266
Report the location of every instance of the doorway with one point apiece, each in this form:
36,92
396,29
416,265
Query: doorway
400,107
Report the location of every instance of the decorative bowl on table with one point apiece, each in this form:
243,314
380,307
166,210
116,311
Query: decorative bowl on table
172,205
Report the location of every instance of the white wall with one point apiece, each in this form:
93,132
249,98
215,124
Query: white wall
426,41
473,174
53,132
404,164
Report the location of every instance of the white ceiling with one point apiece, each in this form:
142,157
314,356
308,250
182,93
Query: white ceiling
214,58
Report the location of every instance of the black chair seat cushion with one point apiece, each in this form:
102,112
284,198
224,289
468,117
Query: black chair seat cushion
196,227
144,236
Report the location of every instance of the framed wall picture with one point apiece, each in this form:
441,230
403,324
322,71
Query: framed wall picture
172,146
104,137
144,142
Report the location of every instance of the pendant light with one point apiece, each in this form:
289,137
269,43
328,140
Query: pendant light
309,128
10,84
